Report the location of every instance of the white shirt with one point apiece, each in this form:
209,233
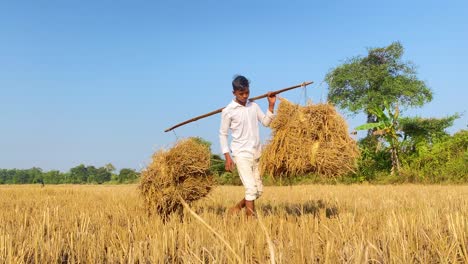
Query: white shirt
243,122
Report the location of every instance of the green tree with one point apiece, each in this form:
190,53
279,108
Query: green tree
25,176
424,132
3,176
109,167
53,177
36,175
102,175
127,175
10,178
363,83
91,172
387,128
78,174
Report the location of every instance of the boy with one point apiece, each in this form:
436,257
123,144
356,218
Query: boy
242,116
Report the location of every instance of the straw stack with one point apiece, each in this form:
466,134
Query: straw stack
180,172
312,139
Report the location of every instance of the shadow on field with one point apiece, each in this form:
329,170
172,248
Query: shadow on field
314,208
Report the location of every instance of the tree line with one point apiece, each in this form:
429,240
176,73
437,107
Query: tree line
80,174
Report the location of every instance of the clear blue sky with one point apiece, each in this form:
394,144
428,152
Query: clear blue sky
97,82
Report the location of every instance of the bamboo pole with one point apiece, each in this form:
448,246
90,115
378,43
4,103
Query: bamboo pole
251,99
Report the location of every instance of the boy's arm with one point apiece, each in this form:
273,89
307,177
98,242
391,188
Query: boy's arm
223,140
229,165
271,102
266,119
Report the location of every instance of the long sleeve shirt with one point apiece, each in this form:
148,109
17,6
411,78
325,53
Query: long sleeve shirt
243,122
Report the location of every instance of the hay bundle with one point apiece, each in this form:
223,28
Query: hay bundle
308,139
181,171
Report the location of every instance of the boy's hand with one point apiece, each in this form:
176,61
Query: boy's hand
271,101
229,166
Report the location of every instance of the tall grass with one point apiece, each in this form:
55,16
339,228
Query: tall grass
301,224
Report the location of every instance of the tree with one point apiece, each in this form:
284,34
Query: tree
127,175
3,176
102,175
109,167
10,176
388,128
363,83
36,175
91,172
26,176
78,174
425,131
53,177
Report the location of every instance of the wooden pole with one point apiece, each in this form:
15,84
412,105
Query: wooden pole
251,99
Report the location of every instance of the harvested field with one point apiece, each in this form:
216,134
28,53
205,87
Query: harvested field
305,224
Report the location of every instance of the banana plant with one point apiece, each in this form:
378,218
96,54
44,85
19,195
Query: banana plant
387,128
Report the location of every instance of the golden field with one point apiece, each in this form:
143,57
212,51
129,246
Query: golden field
298,224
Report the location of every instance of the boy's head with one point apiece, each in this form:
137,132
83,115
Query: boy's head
240,89
240,83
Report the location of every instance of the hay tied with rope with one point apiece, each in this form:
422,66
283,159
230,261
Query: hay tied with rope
310,139
180,172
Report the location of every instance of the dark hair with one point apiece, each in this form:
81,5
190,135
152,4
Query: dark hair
240,83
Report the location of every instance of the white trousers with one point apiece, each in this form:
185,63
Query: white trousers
250,177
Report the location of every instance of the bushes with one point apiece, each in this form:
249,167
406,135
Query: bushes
441,160
374,161
444,161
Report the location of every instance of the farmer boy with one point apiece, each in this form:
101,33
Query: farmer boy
242,118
